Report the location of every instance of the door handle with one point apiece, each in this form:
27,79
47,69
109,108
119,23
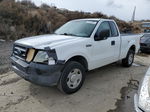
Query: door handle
112,43
89,45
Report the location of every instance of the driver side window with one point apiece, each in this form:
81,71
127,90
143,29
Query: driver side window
103,27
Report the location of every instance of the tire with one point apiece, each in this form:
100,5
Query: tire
128,61
72,78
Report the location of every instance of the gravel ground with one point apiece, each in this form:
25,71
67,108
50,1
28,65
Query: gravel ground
106,89
5,52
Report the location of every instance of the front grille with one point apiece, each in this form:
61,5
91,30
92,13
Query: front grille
20,52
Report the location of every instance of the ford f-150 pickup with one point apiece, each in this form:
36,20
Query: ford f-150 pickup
63,58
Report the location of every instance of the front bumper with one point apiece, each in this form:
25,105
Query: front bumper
136,99
41,74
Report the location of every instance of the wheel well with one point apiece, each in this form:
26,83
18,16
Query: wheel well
133,48
81,60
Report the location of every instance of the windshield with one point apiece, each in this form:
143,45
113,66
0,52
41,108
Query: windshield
80,28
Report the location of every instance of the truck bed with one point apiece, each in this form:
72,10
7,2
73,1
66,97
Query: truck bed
130,34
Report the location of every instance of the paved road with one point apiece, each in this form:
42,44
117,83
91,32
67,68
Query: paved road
100,93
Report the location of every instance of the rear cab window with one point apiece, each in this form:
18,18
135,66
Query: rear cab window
114,30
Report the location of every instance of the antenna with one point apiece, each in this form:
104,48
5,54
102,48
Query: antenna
133,16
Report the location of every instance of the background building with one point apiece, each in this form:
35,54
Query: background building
145,27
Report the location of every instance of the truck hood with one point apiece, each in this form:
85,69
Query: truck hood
42,41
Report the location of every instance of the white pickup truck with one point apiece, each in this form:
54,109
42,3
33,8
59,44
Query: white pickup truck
78,46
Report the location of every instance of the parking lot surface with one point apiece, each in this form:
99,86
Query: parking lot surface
107,89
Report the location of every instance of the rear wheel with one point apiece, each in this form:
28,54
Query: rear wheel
73,76
128,61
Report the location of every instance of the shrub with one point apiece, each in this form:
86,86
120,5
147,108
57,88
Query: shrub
24,18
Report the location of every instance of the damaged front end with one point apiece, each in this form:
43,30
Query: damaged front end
38,66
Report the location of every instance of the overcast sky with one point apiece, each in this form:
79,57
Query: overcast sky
123,9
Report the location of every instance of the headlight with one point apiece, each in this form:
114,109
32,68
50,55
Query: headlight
42,57
144,98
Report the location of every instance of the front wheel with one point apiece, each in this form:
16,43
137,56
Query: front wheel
73,76
128,61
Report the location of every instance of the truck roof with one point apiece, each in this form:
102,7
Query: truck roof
95,19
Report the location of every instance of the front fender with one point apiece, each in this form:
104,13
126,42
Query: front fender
70,53
77,54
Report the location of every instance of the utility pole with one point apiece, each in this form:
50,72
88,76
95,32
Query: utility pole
133,16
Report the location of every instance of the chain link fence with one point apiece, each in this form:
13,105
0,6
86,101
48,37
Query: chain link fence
5,52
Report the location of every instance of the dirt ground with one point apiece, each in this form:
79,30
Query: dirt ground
100,93
5,52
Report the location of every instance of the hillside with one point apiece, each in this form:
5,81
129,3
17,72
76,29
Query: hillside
21,19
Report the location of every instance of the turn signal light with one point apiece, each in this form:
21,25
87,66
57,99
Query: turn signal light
30,55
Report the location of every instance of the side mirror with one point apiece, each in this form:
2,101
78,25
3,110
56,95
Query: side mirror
103,35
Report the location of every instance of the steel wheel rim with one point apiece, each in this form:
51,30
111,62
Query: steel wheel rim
74,78
130,60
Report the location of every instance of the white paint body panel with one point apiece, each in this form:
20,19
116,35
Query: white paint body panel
99,54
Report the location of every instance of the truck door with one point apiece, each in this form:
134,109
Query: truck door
103,48
116,40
